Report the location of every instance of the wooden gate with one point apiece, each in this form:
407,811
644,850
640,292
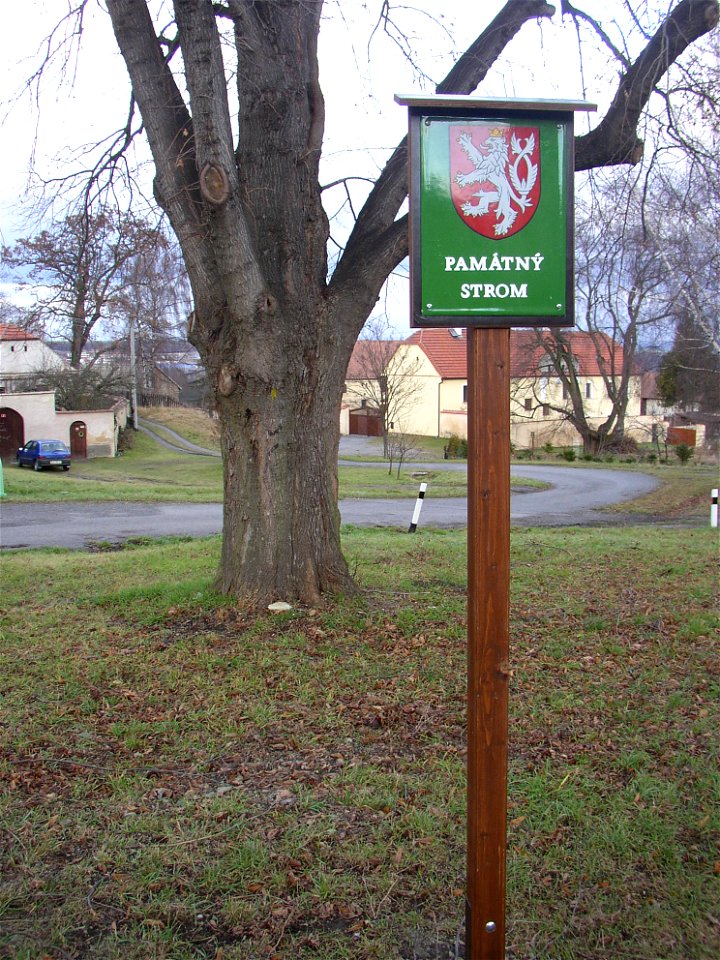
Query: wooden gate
12,431
678,435
365,423
78,439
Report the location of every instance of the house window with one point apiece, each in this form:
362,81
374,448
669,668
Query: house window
644,407
546,410
588,390
528,403
464,399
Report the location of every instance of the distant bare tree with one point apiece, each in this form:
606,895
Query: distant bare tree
622,301
18,316
88,387
684,209
400,448
155,295
388,381
78,270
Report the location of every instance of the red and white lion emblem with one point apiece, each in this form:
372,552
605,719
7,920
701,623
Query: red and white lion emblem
495,177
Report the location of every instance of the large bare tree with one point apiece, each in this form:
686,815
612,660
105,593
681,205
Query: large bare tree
79,270
690,253
623,302
274,331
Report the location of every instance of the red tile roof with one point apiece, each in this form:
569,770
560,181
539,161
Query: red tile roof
8,331
448,352
595,354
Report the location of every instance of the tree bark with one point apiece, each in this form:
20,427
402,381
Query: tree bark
282,524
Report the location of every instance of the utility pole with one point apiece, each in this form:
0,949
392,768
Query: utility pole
133,377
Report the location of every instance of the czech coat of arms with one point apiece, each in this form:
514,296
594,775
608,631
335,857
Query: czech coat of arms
495,177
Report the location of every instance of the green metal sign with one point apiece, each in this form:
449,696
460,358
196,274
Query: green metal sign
491,213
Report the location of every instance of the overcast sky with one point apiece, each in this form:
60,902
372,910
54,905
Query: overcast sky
359,76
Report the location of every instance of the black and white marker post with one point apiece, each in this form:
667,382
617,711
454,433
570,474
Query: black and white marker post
714,508
418,507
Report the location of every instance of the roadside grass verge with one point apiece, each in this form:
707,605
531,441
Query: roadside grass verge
147,472
150,472
367,483
684,492
181,779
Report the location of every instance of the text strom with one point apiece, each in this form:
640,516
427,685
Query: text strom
499,291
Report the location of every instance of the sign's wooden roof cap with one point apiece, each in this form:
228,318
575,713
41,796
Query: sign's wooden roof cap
496,104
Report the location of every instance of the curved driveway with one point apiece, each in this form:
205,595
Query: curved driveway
575,497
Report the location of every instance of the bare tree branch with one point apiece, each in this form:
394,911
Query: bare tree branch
615,140
580,15
378,243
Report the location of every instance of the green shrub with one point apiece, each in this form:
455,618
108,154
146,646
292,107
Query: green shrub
568,455
684,452
456,448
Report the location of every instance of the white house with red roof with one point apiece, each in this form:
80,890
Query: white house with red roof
438,359
359,413
22,353
32,415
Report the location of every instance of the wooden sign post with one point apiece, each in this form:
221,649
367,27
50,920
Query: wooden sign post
491,247
488,638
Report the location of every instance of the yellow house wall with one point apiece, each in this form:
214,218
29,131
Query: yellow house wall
438,410
344,419
421,416
453,410
533,428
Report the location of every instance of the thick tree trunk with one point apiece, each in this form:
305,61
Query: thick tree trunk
281,529
608,436
280,434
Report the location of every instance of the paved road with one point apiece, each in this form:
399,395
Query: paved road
575,497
